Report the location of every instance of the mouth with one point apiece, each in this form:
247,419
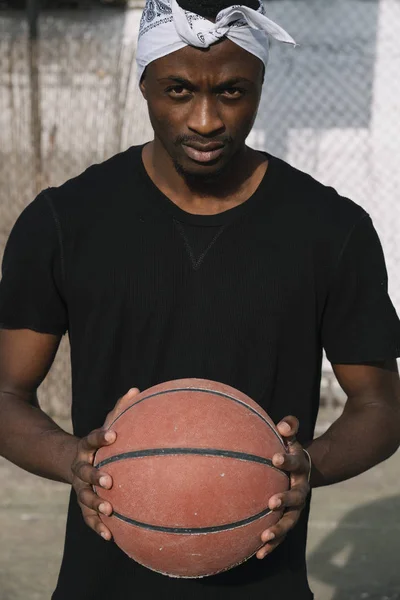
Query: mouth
203,153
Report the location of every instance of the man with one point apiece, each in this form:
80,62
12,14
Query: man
196,256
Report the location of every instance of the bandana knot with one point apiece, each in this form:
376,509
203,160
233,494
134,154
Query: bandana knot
165,27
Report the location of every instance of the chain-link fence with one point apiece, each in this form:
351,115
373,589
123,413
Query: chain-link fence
330,107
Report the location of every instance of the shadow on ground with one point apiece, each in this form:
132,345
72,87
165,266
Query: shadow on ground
360,559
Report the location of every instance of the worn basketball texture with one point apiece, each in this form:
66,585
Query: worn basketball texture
192,477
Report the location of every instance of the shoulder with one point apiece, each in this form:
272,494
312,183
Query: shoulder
99,185
314,217
315,205
35,220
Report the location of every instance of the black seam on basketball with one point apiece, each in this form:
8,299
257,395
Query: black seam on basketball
191,451
250,408
193,530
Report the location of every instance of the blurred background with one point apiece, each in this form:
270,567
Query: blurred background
69,98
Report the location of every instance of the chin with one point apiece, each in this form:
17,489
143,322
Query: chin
199,171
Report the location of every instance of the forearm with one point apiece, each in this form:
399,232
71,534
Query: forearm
361,438
33,441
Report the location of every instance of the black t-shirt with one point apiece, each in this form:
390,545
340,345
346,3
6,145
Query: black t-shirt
150,293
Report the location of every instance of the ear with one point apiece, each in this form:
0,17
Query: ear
142,86
263,75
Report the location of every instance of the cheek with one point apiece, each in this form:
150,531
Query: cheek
239,122
167,121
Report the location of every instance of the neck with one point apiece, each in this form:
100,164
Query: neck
232,186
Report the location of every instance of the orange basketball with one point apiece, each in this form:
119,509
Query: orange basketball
192,477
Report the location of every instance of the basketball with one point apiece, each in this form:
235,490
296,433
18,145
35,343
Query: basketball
192,478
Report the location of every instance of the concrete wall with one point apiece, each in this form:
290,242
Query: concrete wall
330,107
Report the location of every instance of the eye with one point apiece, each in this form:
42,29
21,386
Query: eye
177,91
233,93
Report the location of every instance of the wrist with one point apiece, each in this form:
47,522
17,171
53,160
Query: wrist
317,449
67,455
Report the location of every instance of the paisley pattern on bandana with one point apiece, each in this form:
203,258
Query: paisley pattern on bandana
191,17
158,10
154,9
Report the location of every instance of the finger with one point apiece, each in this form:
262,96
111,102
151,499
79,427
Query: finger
88,474
288,428
268,548
97,439
290,462
90,500
283,526
295,498
93,521
122,404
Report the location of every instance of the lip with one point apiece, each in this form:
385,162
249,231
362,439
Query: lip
203,153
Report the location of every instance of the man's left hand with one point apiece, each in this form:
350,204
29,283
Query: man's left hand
296,463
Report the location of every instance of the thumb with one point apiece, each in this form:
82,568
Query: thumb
123,404
288,429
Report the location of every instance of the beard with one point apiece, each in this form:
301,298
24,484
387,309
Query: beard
203,182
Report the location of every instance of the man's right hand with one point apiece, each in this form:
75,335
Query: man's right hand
85,475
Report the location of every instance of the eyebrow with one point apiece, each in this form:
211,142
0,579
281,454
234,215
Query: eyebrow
188,84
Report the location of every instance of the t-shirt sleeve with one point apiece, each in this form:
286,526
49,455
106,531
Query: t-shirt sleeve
32,273
360,323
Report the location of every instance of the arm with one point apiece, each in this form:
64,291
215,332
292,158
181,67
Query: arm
368,431
30,439
31,301
359,325
33,441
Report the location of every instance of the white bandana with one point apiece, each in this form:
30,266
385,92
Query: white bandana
165,28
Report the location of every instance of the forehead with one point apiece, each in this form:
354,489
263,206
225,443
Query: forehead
221,61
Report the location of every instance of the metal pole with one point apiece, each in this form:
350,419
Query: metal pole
36,124
33,15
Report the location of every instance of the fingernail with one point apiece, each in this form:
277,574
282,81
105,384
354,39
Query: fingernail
103,481
269,537
278,503
133,390
104,536
279,459
109,436
285,426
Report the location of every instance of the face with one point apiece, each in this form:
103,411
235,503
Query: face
203,104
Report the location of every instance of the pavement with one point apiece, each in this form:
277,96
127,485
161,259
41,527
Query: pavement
353,548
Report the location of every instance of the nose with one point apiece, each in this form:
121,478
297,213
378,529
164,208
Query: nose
204,117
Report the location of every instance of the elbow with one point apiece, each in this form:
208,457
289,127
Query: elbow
392,448
396,440
393,438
